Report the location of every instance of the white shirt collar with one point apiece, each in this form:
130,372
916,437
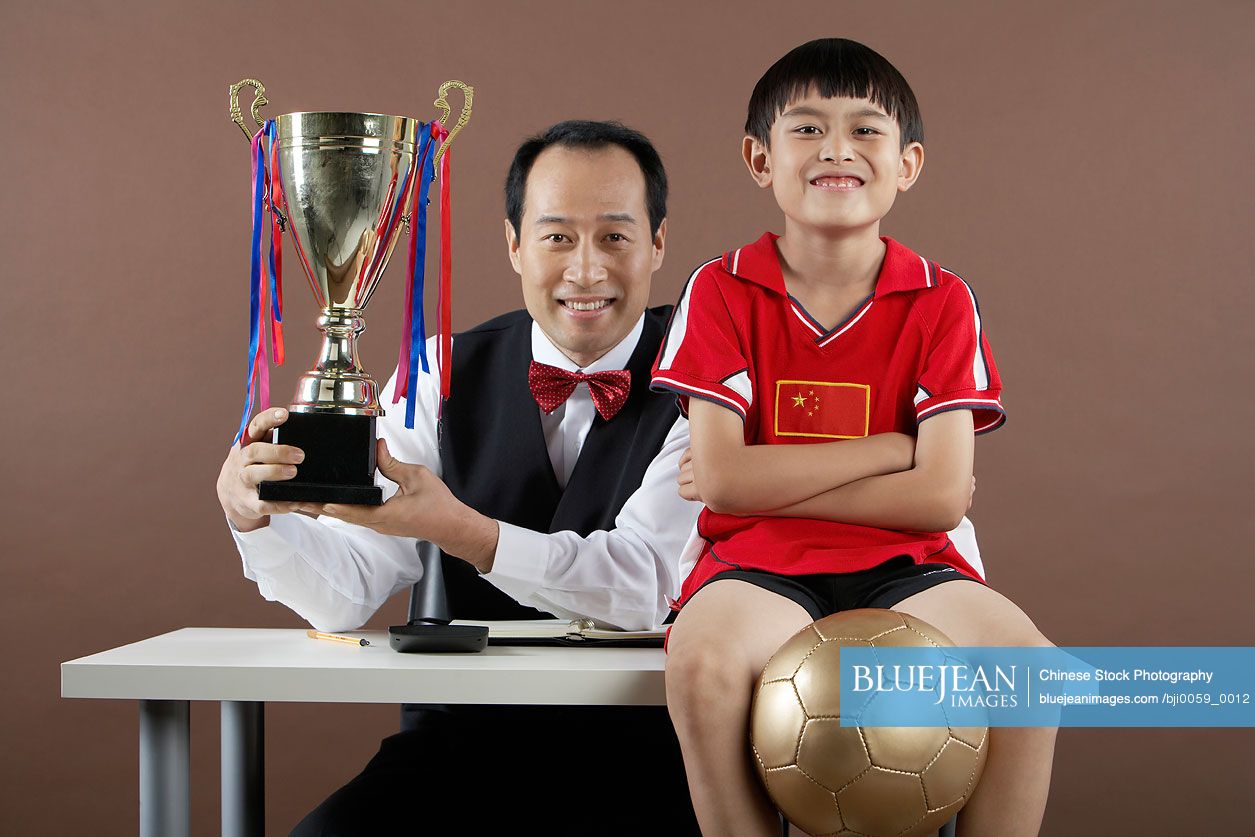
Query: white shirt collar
544,351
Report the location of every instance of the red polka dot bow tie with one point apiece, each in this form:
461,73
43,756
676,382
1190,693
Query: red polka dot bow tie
551,387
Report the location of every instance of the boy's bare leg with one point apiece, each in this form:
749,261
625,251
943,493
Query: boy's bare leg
718,646
1011,797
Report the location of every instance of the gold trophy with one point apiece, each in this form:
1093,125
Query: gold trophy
343,186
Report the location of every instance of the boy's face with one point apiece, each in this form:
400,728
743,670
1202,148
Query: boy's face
584,250
834,164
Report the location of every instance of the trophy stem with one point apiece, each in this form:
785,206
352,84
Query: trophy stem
337,383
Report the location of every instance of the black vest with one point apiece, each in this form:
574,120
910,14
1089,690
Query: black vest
494,459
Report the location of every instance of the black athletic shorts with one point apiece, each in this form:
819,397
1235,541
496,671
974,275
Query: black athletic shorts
824,594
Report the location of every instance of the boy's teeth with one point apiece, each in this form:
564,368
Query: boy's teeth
588,306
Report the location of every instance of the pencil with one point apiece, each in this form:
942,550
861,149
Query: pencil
336,638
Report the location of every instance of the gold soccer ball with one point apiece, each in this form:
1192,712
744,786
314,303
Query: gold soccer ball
854,781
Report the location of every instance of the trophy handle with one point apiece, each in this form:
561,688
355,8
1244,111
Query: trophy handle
259,101
468,95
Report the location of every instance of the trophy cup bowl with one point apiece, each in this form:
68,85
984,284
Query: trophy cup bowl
346,180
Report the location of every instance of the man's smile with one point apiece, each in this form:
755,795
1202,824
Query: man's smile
586,306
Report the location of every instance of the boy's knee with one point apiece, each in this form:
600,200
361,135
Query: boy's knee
1025,634
700,676
1005,628
1021,633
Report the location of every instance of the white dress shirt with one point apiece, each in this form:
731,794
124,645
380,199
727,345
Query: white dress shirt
336,575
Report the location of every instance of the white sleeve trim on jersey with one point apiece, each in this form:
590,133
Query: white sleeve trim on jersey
986,403
997,421
980,369
978,406
679,321
741,385
661,381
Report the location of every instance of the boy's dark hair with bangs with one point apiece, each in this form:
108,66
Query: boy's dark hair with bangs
833,67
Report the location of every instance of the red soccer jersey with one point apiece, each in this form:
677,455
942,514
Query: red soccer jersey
913,349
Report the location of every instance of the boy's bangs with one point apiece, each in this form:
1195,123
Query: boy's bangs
833,68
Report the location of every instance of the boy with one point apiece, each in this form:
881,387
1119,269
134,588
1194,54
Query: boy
872,357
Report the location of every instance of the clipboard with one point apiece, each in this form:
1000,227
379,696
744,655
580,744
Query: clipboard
571,633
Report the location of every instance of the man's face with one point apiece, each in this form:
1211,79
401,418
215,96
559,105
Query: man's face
584,250
835,163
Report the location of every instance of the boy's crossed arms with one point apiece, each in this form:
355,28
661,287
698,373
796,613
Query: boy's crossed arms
888,480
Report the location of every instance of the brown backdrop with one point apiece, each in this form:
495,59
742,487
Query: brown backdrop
1088,171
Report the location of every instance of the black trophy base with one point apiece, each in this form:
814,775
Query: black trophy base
438,639
339,464
292,491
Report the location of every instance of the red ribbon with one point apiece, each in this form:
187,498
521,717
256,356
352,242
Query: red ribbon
413,332
263,156
412,328
277,203
446,270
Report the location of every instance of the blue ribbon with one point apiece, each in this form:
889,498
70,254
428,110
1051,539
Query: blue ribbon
271,131
418,331
254,305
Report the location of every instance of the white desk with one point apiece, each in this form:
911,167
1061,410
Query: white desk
245,667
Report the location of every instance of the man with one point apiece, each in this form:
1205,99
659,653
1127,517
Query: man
540,505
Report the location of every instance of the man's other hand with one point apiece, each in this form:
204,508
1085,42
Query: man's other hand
685,481
423,508
252,462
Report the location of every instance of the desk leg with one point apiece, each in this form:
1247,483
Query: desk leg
164,768
243,769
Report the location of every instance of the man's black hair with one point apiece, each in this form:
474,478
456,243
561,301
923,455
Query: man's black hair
833,67
586,134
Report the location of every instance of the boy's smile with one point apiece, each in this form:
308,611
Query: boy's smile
835,163
838,182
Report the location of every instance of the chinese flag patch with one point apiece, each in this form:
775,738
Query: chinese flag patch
822,410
